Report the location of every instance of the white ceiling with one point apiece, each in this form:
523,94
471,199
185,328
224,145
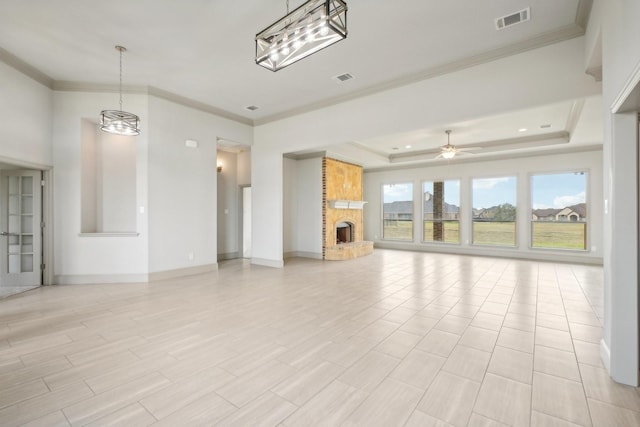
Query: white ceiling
204,50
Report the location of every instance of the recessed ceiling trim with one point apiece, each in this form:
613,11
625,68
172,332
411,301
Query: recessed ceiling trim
567,33
561,137
574,115
487,158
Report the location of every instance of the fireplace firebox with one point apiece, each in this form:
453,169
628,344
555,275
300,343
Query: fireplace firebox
344,232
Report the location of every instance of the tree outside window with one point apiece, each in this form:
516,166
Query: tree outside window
441,211
494,211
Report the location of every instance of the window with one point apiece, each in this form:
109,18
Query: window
494,211
397,211
559,211
441,211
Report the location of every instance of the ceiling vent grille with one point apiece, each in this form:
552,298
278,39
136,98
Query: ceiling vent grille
513,19
343,77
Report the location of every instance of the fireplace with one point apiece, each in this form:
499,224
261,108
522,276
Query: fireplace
344,233
342,211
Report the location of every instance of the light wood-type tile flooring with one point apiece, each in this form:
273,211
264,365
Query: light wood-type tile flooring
392,339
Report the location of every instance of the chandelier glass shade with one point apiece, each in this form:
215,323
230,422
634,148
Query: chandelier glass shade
306,30
117,121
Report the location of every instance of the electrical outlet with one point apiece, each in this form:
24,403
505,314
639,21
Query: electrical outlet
191,256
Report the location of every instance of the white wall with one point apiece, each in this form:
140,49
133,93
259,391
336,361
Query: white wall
522,168
290,206
309,206
538,77
244,168
26,111
303,207
621,71
98,258
88,178
183,184
228,206
117,183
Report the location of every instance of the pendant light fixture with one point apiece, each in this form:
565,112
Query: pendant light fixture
117,121
309,28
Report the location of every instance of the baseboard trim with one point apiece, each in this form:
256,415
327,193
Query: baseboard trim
93,279
605,355
268,262
302,254
228,256
492,252
182,272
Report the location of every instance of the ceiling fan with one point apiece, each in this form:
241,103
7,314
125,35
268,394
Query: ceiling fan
449,151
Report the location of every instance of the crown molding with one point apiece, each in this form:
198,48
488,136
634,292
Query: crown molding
583,13
68,86
566,33
305,156
197,105
563,34
595,72
28,70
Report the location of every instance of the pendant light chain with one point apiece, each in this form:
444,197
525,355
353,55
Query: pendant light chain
121,49
120,122
287,7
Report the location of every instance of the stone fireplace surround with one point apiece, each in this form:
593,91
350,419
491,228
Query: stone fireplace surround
342,204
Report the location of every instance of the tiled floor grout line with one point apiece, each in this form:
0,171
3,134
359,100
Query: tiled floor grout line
586,399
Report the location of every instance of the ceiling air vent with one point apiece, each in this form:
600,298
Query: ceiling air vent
343,77
513,19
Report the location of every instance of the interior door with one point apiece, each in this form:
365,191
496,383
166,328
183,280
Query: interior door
20,228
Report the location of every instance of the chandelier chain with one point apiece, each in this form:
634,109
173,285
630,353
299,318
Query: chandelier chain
121,49
287,7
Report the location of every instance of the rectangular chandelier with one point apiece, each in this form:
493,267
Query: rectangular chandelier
309,28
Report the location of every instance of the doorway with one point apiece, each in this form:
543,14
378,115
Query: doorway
21,228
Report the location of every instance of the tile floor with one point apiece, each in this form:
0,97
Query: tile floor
393,339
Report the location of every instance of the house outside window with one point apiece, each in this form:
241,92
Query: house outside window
559,211
397,211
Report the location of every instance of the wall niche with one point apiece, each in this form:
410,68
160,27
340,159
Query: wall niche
107,182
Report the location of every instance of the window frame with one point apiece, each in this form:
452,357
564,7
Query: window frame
422,220
382,219
587,187
516,243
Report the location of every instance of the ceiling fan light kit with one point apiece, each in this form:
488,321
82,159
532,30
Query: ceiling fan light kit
117,121
449,151
306,30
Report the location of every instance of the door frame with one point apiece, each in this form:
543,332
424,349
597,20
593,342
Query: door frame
47,241
241,219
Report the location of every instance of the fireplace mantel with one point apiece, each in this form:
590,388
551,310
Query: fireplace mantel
346,204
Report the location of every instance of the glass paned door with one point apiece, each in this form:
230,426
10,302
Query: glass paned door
20,229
